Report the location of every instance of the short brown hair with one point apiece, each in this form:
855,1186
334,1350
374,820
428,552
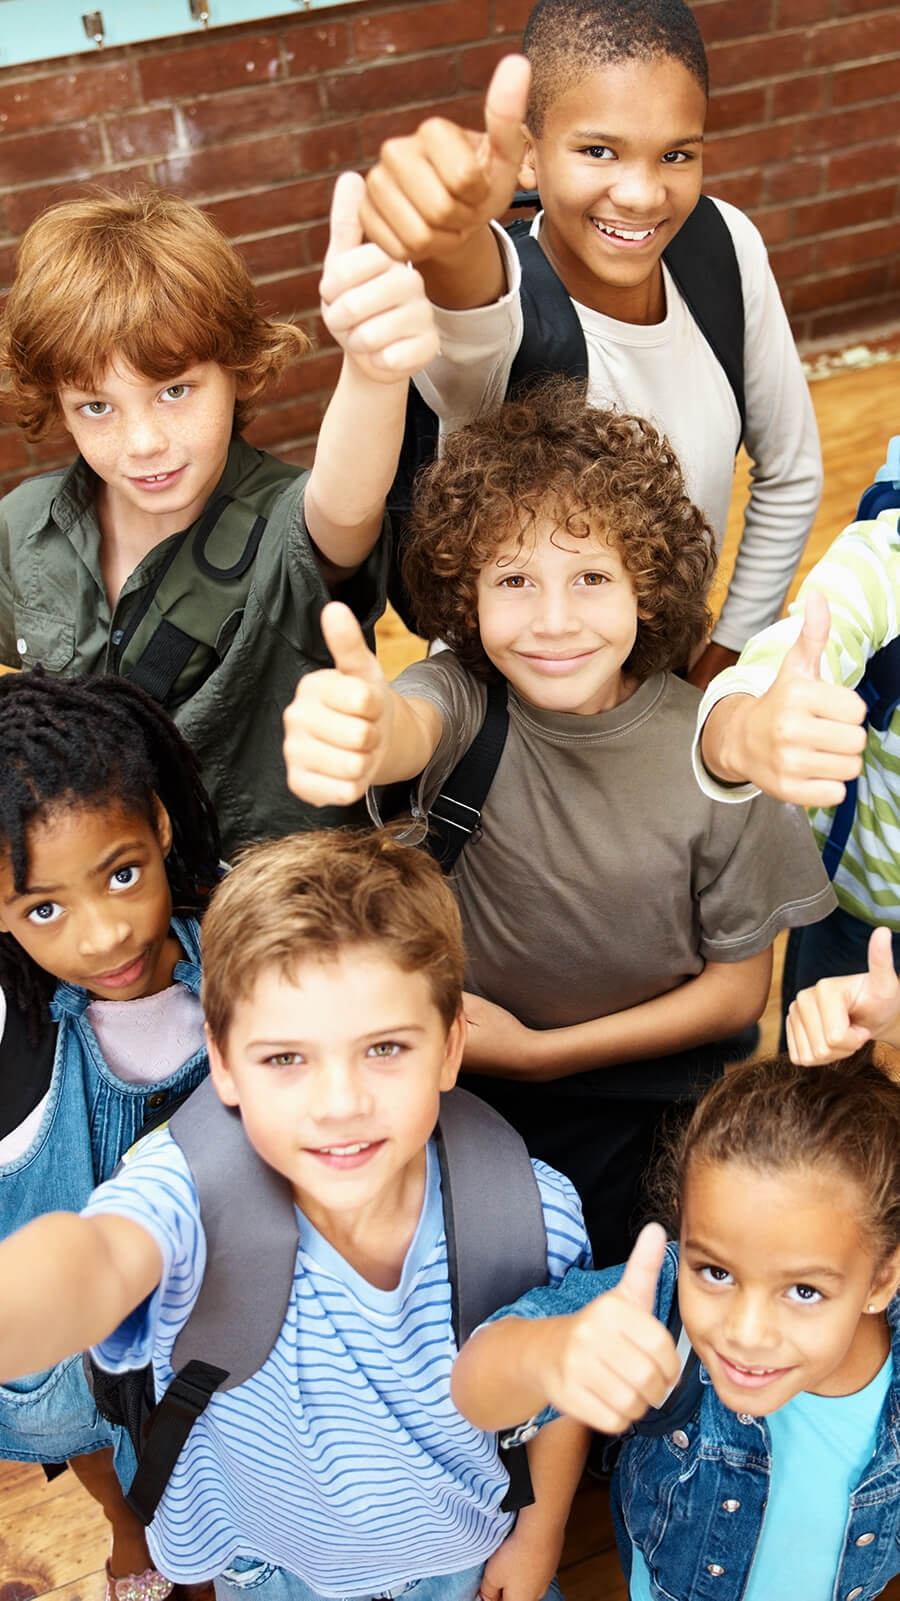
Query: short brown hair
772,1115
143,277
598,472
309,896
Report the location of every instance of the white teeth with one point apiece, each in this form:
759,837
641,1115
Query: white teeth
343,1150
626,233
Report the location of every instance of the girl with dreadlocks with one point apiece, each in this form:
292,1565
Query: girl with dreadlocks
108,845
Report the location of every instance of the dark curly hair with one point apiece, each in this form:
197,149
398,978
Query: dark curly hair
597,471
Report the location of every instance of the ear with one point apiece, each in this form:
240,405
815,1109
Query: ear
219,1072
885,1284
162,824
453,1051
528,170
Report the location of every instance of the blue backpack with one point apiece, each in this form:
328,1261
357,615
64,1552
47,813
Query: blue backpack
880,684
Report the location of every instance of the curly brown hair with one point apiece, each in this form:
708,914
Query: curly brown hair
599,472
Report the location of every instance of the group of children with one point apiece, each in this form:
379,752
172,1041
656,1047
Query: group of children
181,604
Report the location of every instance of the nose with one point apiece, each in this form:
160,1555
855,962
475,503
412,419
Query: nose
555,615
101,932
638,188
339,1093
750,1325
144,435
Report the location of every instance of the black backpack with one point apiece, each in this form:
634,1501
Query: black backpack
496,1250
703,263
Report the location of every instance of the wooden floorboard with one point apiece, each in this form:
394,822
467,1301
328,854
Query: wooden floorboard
52,1542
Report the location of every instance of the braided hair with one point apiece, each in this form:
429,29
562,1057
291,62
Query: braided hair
94,742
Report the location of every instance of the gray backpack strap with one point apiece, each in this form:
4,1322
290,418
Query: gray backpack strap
251,1249
496,1236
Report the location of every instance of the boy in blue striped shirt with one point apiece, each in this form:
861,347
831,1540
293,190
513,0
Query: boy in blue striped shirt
332,990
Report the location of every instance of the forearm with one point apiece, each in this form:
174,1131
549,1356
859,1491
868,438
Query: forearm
499,1377
556,1458
67,1282
723,998
723,740
473,275
356,458
416,726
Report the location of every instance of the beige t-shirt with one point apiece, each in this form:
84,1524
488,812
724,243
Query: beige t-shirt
603,876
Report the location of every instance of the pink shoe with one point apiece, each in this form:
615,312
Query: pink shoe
148,1586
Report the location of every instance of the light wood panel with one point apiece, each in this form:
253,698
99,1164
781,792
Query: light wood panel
52,1543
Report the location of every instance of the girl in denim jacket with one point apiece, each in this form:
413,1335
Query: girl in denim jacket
785,1479
108,845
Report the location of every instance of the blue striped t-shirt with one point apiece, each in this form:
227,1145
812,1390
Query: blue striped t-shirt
343,1459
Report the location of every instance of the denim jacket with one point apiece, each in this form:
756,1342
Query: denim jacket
693,1501
90,1118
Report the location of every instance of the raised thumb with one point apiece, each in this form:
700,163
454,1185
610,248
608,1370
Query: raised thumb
346,641
345,228
504,111
638,1283
881,963
805,655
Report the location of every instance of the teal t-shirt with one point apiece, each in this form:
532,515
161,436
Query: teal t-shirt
822,1444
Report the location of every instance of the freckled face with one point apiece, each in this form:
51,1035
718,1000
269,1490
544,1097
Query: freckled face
159,448
618,167
558,617
774,1284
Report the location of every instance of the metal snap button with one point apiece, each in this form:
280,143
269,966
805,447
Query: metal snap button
680,1439
731,1506
865,1539
715,1569
159,1098
745,1417
852,1594
21,645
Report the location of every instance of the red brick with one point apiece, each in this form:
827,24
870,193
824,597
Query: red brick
316,241
286,422
736,108
12,451
292,294
853,41
314,48
846,211
722,19
791,13
771,57
276,253
476,66
23,205
421,27
205,66
858,318
145,133
848,169
845,128
797,97
315,373
837,288
744,191
775,223
328,149
789,262
510,16
402,83
65,152
863,244
735,151
877,80
235,115
229,166
277,207
373,130
794,180
66,96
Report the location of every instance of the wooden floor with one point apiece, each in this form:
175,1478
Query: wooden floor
52,1541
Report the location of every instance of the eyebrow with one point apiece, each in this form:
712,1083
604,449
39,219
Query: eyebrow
128,848
796,1276
293,1044
594,136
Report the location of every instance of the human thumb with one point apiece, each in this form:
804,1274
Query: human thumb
344,638
504,112
882,978
805,656
638,1283
345,228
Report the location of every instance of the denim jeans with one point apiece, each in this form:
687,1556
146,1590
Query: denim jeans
249,1580
836,945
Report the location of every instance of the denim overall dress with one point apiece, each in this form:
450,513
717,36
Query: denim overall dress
90,1118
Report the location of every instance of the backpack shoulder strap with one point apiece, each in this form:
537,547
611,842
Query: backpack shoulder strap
251,1239
683,1400
704,265
884,493
552,336
496,1234
456,813
880,689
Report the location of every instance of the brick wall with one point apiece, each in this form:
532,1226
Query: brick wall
253,122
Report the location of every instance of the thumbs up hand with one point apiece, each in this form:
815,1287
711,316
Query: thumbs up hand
801,741
614,1359
375,309
337,728
838,1015
430,191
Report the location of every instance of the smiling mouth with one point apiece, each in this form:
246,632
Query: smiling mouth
628,236
750,1377
349,1154
151,480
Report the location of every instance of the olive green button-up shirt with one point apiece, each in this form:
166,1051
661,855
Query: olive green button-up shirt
54,610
